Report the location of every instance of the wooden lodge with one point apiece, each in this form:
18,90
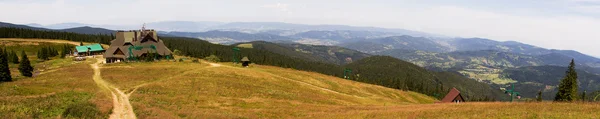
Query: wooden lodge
135,44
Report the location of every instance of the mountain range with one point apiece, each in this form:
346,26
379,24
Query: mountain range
493,62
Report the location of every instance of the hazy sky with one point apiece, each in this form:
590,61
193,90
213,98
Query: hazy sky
558,24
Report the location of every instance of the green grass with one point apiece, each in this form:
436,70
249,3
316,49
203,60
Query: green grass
246,45
62,84
487,74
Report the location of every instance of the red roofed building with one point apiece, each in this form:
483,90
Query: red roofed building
453,96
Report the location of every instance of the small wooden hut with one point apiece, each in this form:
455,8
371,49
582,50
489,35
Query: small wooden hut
453,96
245,62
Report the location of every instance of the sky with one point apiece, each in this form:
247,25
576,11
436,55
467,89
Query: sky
555,24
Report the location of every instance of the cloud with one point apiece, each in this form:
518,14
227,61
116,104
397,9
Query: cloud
278,6
558,32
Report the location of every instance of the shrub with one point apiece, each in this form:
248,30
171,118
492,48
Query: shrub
212,58
85,110
177,52
195,60
180,59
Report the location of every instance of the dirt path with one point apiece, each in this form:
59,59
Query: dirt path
122,109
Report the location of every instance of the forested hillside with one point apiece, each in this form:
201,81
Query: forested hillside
391,72
546,79
320,53
385,71
200,48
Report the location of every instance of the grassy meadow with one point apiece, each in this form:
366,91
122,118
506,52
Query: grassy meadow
194,90
168,89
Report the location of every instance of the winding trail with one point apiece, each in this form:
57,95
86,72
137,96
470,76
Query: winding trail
122,109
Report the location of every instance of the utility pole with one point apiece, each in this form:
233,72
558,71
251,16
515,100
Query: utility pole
236,53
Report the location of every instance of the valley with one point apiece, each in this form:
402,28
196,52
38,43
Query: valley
168,89
362,74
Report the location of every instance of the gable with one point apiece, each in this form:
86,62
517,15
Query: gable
148,37
452,95
118,52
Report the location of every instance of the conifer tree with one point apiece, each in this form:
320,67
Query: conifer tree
25,67
63,53
9,56
43,54
567,89
14,58
80,43
4,70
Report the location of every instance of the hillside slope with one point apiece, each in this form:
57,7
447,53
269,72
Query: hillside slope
192,90
185,89
394,73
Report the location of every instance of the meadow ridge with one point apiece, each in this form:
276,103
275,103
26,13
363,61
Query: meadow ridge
169,89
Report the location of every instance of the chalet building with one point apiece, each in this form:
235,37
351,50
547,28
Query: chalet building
453,96
87,50
135,44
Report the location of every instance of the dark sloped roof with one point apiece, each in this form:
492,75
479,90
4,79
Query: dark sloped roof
245,59
146,41
452,95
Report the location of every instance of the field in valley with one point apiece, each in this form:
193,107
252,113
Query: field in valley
169,89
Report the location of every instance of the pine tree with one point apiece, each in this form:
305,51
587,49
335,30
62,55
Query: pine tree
4,70
80,43
14,58
63,53
539,96
39,54
567,89
25,67
9,56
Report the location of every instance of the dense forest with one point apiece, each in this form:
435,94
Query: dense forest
7,32
201,49
379,70
394,73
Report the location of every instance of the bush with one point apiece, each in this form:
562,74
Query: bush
195,60
85,110
180,59
176,52
212,58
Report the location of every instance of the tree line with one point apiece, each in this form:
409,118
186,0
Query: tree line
46,52
200,49
7,32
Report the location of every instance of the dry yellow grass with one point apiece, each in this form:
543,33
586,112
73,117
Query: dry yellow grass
201,90
193,90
